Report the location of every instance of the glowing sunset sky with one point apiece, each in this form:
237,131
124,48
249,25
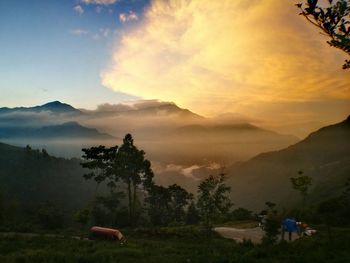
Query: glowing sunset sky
257,58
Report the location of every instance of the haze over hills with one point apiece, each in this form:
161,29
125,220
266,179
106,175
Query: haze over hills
168,132
67,130
31,176
182,146
324,155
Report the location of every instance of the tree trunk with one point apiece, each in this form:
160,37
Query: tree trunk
130,202
134,204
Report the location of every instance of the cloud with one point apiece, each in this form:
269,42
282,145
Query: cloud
102,33
220,56
78,9
99,2
79,32
99,9
126,17
133,105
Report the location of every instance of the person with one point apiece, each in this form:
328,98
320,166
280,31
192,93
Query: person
289,225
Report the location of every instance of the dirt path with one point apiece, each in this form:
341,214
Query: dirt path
254,234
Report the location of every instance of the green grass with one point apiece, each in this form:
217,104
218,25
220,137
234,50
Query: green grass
155,246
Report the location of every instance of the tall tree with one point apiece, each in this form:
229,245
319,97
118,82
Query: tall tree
159,205
180,198
272,224
125,163
333,20
302,183
131,166
192,216
213,200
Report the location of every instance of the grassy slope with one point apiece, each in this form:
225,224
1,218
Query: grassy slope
185,249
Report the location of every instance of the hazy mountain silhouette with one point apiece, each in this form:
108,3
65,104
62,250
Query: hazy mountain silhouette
55,107
324,155
68,130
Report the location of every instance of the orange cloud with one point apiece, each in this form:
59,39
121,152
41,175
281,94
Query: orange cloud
220,56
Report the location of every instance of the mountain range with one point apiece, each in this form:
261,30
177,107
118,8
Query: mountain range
31,176
169,133
55,107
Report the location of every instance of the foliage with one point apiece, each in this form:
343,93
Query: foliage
131,166
82,217
192,216
167,204
302,184
99,161
336,211
213,201
125,163
241,214
272,224
50,216
28,178
333,20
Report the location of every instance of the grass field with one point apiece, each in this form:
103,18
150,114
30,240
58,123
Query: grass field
173,245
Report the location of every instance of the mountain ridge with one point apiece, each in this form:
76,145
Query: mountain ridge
265,177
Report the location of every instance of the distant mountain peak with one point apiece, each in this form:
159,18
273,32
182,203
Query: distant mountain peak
57,106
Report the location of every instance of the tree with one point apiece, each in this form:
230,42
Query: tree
180,198
82,217
111,203
2,209
302,184
272,224
192,216
167,204
99,161
131,166
125,163
333,20
213,201
241,214
50,216
159,205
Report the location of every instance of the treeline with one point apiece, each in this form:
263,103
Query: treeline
115,187
134,199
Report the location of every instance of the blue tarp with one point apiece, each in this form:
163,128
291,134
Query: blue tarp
290,225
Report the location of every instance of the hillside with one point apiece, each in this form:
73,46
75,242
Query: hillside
31,178
324,155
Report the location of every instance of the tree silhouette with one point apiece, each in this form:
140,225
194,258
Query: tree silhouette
213,200
99,160
302,184
131,166
333,20
167,204
192,216
125,163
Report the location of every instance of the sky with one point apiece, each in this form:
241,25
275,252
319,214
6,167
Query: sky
257,58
